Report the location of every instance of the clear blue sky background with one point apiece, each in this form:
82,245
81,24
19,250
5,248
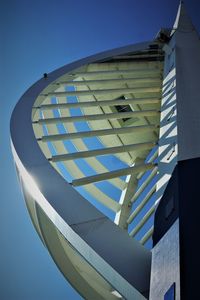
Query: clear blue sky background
38,37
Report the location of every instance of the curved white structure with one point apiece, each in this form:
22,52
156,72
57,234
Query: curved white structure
85,143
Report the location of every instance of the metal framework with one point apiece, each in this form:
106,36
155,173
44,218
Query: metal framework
100,130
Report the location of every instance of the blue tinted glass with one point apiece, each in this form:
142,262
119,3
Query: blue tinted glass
170,295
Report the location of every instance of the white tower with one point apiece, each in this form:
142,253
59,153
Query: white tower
99,144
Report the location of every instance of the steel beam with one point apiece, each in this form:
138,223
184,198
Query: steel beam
141,205
118,72
151,159
118,115
153,156
143,221
104,151
147,236
155,79
140,101
122,215
144,184
102,132
111,174
152,89
147,55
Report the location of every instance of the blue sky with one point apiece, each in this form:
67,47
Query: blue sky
38,37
